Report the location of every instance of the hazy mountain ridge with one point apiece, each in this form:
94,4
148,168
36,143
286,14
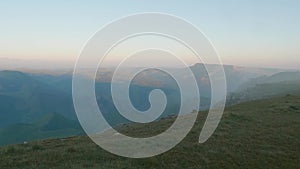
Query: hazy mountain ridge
29,97
287,76
279,84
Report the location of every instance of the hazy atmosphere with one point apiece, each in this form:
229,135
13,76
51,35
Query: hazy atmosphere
250,33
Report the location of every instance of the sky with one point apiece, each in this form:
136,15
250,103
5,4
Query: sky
256,33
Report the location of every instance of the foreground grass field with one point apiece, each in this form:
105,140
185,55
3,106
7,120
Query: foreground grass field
258,134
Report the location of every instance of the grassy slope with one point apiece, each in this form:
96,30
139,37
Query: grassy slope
258,134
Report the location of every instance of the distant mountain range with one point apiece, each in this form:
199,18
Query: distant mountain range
39,105
280,84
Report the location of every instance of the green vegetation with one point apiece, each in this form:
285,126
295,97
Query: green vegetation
257,134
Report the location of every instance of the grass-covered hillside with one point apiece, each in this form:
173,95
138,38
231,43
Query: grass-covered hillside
257,134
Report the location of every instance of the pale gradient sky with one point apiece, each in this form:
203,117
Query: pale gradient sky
263,33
